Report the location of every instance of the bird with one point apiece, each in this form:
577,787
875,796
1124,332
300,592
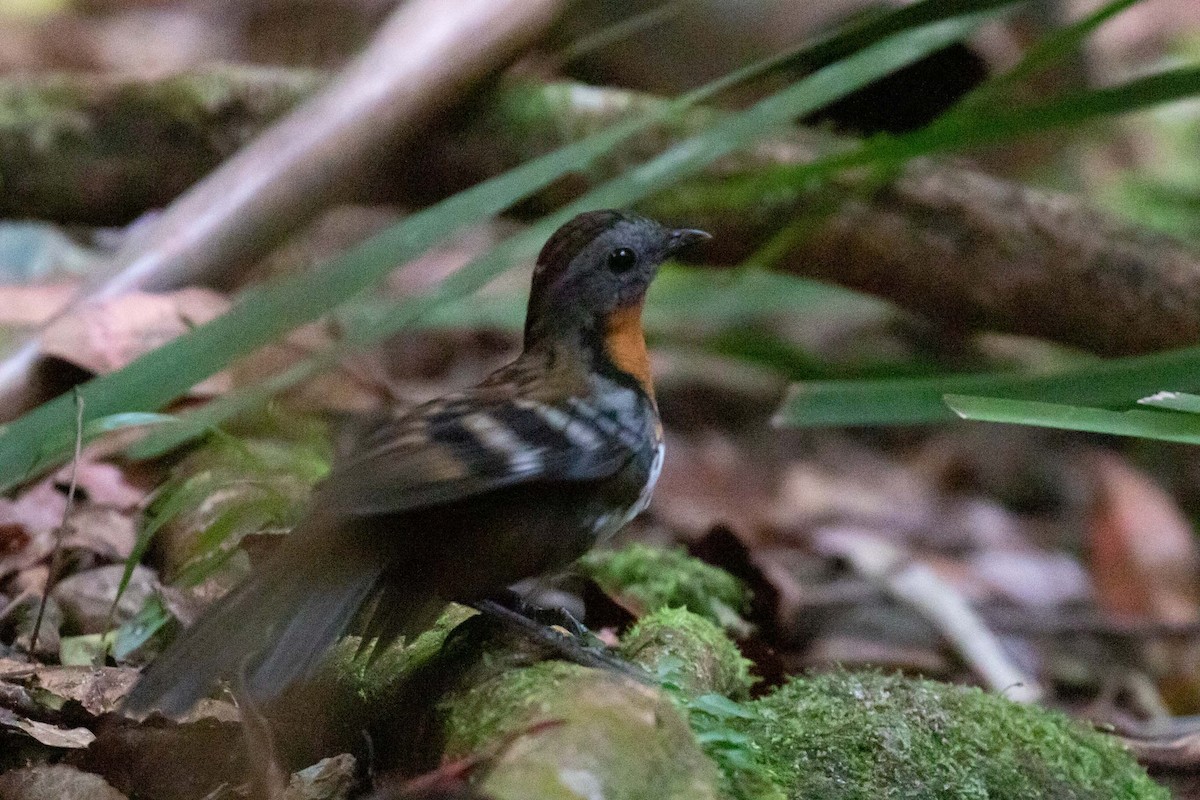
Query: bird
463,496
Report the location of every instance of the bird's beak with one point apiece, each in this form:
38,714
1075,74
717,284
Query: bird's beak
683,237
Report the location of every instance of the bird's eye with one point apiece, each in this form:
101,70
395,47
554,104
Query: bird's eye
621,259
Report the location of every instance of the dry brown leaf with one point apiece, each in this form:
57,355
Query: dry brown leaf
32,306
98,689
27,526
47,734
341,389
30,581
86,597
1032,579
105,532
11,668
853,486
708,481
105,335
1142,552
104,484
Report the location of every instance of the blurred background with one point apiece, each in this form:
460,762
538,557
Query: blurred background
1020,205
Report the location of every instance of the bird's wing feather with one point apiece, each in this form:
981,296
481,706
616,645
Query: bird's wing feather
476,443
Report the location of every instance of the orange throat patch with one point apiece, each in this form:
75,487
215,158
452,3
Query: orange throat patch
625,344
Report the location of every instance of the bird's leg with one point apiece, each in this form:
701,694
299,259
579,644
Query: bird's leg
575,626
567,647
534,599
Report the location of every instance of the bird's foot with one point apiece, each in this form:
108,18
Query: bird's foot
572,641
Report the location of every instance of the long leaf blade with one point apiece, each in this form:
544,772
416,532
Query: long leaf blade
1144,424
1115,382
680,161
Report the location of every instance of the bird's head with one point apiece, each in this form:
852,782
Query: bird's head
597,268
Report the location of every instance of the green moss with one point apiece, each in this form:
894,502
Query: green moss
373,678
652,578
477,718
873,737
690,651
557,730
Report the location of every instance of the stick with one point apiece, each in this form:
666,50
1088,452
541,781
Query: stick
918,587
58,534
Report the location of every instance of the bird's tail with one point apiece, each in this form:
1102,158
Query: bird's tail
268,632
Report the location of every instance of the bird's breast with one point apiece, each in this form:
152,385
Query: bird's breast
625,345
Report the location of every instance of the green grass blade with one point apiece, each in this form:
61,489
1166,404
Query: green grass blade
962,132
683,160
1048,51
1145,424
1114,383
873,27
1173,401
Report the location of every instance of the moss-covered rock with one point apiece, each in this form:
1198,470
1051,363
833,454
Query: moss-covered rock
651,578
868,736
689,651
564,732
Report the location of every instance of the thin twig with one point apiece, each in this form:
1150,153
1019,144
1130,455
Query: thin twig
56,553
918,587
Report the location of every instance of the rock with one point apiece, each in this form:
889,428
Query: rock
644,579
559,731
58,782
86,597
692,652
847,736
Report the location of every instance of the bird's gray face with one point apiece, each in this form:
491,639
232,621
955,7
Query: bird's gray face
600,262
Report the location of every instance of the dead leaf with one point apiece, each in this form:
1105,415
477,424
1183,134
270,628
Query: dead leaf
49,735
105,335
709,480
98,689
31,306
1032,579
104,532
104,484
23,612
342,389
1142,552
86,597
857,488
328,779
55,782
12,668
27,526
30,581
